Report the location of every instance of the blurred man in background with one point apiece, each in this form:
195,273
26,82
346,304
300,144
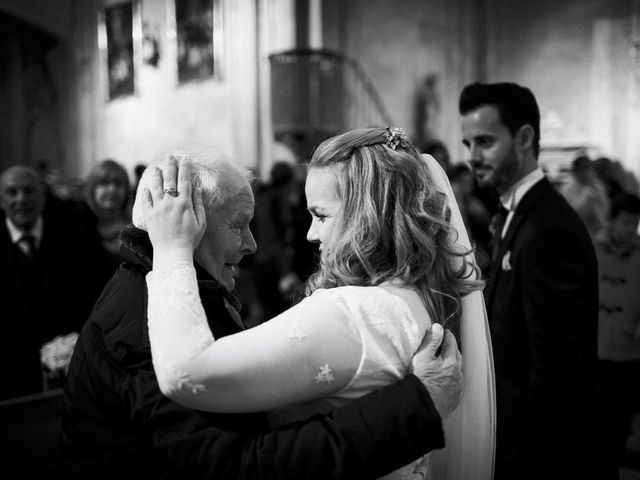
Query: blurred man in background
48,280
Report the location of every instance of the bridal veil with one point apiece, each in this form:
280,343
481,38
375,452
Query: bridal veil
470,429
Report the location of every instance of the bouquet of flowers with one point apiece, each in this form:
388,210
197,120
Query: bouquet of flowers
55,356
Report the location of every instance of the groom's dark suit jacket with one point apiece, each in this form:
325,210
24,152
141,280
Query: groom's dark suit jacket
117,424
542,301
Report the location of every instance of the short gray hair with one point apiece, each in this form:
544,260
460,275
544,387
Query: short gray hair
213,172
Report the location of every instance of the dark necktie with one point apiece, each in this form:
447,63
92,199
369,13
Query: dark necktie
28,245
496,226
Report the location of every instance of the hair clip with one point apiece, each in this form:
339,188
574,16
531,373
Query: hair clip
395,135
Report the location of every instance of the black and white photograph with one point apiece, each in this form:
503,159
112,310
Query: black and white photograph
320,239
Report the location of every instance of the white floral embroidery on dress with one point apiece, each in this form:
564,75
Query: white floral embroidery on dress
184,382
325,375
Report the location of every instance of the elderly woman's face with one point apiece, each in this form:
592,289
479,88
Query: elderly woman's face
228,237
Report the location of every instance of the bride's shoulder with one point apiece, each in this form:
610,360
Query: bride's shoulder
387,311
358,302
377,304
352,293
387,292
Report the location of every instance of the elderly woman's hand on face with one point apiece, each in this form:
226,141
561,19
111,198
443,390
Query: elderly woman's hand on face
440,374
174,215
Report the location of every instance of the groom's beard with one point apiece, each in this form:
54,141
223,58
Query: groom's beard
500,176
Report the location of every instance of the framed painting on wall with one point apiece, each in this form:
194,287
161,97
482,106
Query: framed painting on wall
199,37
119,27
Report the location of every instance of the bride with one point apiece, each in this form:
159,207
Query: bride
394,257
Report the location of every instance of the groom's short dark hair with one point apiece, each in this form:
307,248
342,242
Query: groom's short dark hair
516,105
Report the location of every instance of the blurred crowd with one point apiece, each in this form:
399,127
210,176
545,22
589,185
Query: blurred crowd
59,245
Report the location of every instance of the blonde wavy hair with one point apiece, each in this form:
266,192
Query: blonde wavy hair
394,224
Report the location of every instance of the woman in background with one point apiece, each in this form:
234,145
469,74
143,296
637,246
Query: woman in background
108,193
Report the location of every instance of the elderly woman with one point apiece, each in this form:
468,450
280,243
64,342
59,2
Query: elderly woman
391,263
118,423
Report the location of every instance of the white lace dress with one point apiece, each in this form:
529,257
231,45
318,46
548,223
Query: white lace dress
333,347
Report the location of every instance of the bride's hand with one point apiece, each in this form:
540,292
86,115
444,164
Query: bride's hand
174,215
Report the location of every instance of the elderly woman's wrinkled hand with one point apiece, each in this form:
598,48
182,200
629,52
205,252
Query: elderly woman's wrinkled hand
440,374
175,217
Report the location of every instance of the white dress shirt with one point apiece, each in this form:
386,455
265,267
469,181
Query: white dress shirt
16,234
512,197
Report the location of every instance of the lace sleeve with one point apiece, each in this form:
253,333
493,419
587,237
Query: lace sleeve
310,351
178,329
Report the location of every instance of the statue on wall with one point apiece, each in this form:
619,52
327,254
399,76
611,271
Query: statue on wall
150,46
427,109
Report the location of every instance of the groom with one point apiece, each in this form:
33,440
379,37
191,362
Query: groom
542,297
117,423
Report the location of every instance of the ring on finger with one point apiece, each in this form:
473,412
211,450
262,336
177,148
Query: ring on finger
171,191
